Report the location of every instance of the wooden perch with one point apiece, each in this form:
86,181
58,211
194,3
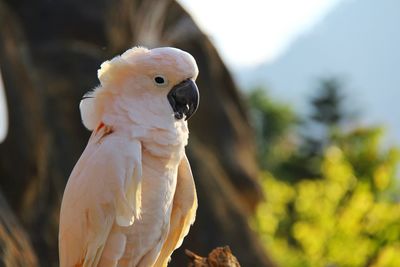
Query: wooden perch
219,257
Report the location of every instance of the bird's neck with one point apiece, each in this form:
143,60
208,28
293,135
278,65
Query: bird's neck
162,142
156,128
165,142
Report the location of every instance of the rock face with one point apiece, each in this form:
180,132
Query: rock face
49,54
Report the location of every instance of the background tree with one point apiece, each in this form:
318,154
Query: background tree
347,215
274,122
318,130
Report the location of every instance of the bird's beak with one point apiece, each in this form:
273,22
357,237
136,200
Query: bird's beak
184,99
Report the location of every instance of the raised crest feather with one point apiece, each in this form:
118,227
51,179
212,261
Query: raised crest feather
89,114
91,107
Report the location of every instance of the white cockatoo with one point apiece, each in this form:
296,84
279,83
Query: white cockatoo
131,198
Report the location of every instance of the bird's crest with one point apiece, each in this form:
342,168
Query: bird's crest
111,71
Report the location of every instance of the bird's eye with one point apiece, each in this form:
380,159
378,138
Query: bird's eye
160,80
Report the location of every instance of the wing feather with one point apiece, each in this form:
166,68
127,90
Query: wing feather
103,188
183,212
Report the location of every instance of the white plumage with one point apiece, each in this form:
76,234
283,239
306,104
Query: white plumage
131,199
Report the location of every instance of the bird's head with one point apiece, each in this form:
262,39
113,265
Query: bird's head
159,81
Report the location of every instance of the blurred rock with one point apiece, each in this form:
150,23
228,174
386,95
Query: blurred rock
49,55
15,248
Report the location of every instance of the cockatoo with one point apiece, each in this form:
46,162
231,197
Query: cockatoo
131,198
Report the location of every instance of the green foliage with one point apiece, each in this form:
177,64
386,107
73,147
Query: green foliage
271,119
337,220
348,213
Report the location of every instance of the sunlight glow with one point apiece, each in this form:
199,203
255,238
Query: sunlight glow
252,32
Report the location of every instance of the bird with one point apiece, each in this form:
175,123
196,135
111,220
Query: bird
131,198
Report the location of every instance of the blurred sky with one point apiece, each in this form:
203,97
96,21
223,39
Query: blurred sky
251,32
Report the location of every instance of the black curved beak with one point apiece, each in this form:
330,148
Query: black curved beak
184,99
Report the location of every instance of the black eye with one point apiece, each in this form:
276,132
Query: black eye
160,80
